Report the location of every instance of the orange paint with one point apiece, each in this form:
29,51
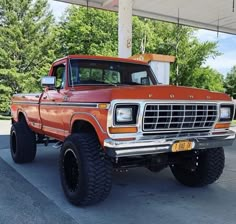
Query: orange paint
54,112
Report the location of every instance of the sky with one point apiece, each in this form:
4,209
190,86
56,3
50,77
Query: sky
226,42
226,45
58,8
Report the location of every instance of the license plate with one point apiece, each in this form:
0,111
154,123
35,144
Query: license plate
182,146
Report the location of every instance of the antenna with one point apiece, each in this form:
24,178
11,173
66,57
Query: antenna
144,39
88,23
233,6
176,50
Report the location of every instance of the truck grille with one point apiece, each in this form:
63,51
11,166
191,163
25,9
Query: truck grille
179,117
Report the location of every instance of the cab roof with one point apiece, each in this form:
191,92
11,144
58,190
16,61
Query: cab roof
102,58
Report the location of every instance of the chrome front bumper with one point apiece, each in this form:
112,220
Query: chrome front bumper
148,146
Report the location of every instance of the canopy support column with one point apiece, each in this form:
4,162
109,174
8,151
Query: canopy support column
125,28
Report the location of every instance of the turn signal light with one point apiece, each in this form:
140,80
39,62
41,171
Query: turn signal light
122,130
222,125
103,106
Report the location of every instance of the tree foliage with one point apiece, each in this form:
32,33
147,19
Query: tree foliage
88,31
30,41
26,46
230,82
208,78
177,40
92,31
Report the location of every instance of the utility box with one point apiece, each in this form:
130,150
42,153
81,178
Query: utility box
160,65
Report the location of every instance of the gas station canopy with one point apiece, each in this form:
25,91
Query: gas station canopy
217,15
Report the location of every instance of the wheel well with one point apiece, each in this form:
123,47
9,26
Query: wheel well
82,127
21,117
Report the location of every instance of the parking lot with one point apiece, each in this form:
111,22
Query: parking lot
31,193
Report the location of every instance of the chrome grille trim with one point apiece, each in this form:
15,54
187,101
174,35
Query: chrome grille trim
163,117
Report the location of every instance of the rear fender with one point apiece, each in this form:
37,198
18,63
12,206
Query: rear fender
22,115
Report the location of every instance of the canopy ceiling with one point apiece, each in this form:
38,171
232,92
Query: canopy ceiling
217,15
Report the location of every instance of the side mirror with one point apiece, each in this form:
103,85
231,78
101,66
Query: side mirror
48,81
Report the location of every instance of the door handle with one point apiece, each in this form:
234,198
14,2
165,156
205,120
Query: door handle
37,96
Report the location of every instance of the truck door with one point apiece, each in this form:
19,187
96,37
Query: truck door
51,107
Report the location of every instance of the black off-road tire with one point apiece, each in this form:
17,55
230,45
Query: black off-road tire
210,167
86,174
22,143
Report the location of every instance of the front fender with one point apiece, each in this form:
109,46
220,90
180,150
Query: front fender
90,118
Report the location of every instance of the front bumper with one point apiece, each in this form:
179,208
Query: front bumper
149,146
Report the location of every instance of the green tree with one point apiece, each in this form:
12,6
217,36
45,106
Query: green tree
26,46
230,82
177,40
88,31
208,78
93,31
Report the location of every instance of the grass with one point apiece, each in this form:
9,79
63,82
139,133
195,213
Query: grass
234,122
2,117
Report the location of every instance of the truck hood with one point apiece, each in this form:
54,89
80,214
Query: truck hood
159,92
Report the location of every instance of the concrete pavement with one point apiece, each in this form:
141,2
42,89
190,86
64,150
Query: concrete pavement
32,193
21,202
4,134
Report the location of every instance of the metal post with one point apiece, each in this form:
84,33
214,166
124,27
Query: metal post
125,28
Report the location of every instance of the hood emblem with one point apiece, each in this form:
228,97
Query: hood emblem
150,95
191,96
172,96
208,97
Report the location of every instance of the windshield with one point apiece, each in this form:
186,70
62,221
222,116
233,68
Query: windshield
95,72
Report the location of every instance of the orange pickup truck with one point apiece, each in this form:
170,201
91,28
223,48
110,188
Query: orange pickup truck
107,113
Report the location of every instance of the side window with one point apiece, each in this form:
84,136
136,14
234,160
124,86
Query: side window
60,73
